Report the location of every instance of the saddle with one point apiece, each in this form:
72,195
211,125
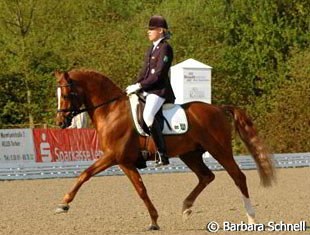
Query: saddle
172,117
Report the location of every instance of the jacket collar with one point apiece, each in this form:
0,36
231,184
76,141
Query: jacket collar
156,43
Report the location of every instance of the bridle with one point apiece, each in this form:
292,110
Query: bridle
73,111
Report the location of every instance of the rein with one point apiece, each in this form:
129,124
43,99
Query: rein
76,112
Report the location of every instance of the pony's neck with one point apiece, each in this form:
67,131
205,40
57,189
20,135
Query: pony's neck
96,87
104,92
97,90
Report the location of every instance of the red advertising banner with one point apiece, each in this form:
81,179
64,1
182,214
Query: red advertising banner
57,145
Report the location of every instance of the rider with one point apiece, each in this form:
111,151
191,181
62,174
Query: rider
154,81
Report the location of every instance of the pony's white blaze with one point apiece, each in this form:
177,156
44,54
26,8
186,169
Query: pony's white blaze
249,209
58,96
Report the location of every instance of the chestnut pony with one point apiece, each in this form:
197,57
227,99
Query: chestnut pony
209,130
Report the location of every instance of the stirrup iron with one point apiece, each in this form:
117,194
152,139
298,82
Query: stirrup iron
159,159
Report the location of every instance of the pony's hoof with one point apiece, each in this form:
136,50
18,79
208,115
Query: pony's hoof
186,214
62,208
153,227
251,219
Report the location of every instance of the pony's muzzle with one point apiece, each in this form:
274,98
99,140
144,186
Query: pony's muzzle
63,121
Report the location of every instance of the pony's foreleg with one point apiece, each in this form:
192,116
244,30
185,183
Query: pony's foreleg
135,178
101,164
205,176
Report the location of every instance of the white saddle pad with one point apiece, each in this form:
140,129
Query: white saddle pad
174,114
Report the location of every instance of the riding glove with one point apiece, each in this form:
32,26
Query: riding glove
133,88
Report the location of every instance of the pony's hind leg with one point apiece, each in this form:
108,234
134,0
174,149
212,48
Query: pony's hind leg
100,165
225,158
240,180
205,176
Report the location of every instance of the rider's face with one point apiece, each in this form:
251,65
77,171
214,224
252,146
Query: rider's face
154,34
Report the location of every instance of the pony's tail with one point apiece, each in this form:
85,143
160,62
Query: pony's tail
248,134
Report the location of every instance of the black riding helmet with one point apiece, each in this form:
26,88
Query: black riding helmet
158,22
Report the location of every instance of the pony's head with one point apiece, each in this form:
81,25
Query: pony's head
69,100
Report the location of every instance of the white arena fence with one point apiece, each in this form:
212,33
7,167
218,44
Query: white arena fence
18,171
56,153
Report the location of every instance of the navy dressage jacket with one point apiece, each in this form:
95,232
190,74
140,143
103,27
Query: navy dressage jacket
154,75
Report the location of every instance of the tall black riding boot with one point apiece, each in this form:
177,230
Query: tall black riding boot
160,144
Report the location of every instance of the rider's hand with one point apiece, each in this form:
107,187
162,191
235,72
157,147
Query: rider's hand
133,88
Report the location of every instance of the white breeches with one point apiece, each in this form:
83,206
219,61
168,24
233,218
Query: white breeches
152,105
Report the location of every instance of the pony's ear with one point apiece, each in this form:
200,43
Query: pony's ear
57,74
66,75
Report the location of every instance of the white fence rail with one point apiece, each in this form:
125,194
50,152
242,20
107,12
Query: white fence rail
17,171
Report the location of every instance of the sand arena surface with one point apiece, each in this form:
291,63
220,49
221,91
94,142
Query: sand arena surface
110,205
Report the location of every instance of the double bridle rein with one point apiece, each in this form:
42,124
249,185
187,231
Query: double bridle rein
75,111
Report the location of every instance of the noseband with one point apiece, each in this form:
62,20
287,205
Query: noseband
73,111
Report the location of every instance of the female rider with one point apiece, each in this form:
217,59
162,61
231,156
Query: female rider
154,81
